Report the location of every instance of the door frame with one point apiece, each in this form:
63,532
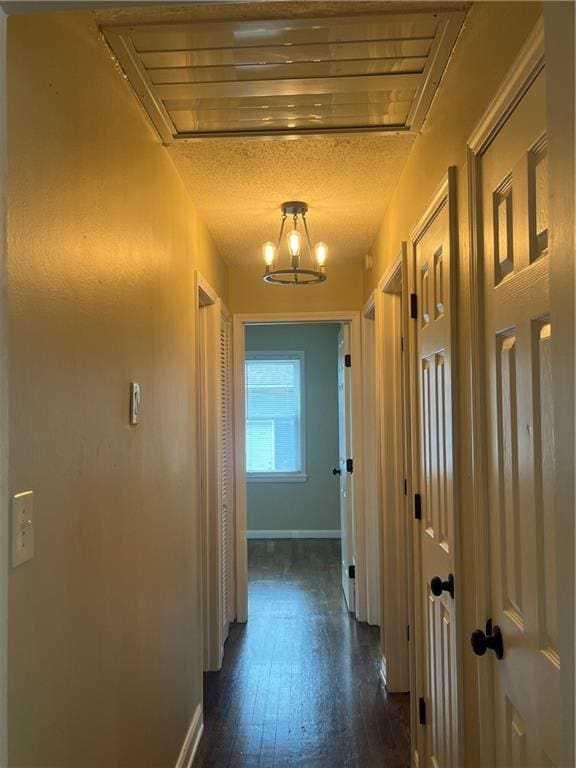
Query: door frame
395,471
209,309
4,384
521,75
371,443
238,343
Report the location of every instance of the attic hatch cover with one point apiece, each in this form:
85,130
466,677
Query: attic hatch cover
287,77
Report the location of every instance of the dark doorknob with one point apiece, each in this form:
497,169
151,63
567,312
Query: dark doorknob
489,640
336,471
438,586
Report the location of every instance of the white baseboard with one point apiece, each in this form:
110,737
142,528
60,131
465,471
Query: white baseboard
192,740
293,534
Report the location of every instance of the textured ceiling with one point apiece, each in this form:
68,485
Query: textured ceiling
239,184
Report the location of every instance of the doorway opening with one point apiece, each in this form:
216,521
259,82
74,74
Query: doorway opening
297,399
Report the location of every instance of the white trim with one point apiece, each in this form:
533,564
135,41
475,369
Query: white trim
324,534
240,320
192,740
276,477
4,493
395,566
208,309
519,78
370,410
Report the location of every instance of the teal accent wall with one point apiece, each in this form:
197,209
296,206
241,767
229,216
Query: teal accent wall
314,504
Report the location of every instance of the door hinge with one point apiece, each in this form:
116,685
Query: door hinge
422,711
348,361
417,506
413,306
350,465
401,343
351,571
405,487
408,632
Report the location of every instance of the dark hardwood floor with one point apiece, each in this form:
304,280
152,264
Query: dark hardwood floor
300,685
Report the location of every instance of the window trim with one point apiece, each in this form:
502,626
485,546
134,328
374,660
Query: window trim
283,477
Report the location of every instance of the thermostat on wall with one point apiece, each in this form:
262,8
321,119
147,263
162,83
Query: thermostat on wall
134,402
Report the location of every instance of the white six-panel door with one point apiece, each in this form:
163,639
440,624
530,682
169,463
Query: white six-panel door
513,173
433,249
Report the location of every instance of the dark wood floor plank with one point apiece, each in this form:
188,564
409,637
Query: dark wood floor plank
299,687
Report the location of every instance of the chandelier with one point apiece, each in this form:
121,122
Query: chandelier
314,270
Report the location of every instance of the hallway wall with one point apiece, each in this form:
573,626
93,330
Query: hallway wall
342,291
104,622
491,38
315,504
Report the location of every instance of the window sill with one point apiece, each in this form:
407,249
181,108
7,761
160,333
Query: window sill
277,477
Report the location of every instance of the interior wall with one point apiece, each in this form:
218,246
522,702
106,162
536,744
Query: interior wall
103,240
342,290
315,504
492,36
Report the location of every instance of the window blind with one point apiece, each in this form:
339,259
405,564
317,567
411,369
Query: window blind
273,415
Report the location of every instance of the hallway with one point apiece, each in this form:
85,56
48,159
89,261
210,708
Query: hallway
299,685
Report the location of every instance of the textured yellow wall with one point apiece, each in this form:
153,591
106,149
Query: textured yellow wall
341,291
104,624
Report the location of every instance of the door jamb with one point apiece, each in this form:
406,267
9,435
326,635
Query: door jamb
395,535
4,382
521,75
238,343
372,500
209,310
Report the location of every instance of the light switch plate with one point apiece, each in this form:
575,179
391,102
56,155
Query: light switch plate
22,527
134,402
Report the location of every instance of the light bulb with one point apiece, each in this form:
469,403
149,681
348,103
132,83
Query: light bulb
320,251
294,243
269,251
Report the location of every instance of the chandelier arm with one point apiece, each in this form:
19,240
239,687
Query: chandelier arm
307,234
281,231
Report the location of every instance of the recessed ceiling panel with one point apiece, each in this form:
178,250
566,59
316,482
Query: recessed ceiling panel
287,77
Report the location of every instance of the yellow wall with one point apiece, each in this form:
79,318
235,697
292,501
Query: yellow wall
104,627
341,291
492,36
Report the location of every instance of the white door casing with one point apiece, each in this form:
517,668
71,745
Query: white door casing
515,421
352,320
371,473
396,576
434,254
344,453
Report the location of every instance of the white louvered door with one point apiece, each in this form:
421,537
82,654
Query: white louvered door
520,437
226,479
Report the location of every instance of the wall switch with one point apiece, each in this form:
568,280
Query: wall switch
134,402
22,527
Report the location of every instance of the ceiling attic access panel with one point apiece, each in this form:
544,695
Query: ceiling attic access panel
287,77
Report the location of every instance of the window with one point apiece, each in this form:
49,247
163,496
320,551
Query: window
274,416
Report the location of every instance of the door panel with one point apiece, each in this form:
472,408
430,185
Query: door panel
520,436
433,247
345,452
